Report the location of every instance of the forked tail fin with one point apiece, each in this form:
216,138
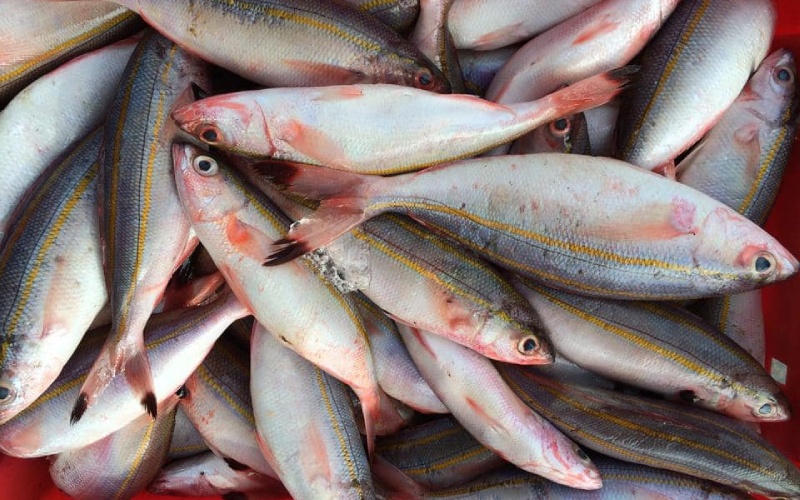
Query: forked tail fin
343,194
136,367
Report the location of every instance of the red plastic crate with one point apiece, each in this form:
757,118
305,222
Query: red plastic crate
29,479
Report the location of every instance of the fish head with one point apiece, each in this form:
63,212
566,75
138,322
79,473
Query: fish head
736,244
759,406
25,373
224,121
774,87
512,341
204,184
414,70
574,467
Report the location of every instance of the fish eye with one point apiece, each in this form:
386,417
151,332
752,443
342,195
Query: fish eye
784,75
767,410
205,166
182,392
7,393
528,345
764,264
423,79
560,128
209,134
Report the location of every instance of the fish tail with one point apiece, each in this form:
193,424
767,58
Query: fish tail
343,206
102,372
580,96
136,367
397,481
371,408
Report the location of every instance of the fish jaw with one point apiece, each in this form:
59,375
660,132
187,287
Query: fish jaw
200,194
578,470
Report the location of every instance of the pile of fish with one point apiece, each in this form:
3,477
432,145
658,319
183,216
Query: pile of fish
395,249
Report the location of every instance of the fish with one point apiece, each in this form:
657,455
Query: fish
38,37
311,43
438,454
120,465
470,386
661,348
657,433
236,224
479,67
206,474
52,114
492,24
219,405
176,343
602,124
337,126
307,431
145,233
432,37
400,15
673,104
186,440
738,316
515,211
425,281
568,135
397,374
51,276
742,159
621,481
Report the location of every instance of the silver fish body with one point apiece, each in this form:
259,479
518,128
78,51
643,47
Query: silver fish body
479,67
661,348
186,440
145,231
177,342
658,433
307,430
311,43
400,15
120,465
438,454
742,159
738,316
674,104
51,276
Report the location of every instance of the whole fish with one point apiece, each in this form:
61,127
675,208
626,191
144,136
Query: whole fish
122,464
491,24
52,114
428,282
432,37
38,37
236,224
568,135
595,226
146,235
311,43
51,276
673,105
206,474
471,388
219,405
438,454
661,348
375,128
741,160
399,15
176,341
621,481
658,433
307,430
